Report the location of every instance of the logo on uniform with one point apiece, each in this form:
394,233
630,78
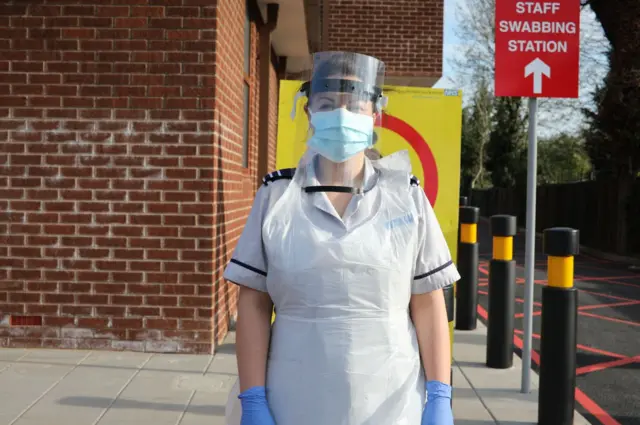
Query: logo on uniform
405,220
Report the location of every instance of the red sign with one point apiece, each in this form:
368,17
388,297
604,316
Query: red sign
417,142
537,48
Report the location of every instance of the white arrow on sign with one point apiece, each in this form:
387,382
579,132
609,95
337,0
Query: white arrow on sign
538,68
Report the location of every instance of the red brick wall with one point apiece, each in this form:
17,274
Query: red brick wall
406,34
120,156
235,185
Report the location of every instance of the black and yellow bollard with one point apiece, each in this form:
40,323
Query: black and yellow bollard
463,203
502,293
467,287
558,335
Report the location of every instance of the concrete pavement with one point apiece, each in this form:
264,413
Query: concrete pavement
59,387
484,396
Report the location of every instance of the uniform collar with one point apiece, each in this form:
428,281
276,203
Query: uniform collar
369,178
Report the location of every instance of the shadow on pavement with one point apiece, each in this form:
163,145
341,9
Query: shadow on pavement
465,364
106,402
226,348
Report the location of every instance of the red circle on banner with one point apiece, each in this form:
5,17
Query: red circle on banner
420,146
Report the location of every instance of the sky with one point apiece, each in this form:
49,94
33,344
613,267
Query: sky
450,41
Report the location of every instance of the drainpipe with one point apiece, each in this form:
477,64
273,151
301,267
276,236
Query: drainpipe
265,87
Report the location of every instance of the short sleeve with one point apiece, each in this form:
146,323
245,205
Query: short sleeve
248,265
434,268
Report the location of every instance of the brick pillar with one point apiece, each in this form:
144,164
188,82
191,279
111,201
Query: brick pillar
406,34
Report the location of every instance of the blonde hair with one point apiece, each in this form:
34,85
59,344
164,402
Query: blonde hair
372,154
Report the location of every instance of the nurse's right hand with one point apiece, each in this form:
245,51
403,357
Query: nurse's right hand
255,410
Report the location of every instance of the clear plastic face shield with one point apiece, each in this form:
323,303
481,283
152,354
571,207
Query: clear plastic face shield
337,112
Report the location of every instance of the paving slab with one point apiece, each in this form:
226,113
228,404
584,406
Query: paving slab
497,389
27,379
206,408
151,397
467,407
59,387
101,376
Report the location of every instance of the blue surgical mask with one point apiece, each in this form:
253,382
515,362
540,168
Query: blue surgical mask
340,134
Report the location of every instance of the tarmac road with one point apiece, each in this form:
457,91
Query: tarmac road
608,351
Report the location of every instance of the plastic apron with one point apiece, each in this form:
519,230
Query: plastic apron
343,347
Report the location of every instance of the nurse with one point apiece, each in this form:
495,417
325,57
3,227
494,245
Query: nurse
351,254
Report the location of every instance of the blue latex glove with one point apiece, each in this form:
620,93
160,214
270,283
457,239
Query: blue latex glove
255,410
438,409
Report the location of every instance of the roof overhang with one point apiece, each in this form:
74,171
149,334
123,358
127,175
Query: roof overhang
290,38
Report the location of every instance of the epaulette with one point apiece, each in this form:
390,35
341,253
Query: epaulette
413,181
285,173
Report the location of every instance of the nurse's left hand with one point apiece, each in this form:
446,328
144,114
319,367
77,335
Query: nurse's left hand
438,409
255,409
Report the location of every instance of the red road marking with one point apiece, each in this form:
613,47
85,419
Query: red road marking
519,300
519,280
606,365
542,282
584,277
582,347
521,332
607,279
609,319
613,297
534,354
621,304
615,282
593,408
599,351
588,404
521,315
581,265
535,303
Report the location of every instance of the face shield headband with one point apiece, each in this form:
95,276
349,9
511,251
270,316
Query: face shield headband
335,85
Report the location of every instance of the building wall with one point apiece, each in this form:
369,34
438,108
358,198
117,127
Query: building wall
274,90
122,188
406,34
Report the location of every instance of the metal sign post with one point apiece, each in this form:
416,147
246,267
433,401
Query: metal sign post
537,54
530,254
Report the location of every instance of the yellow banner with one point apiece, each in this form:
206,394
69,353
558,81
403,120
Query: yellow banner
426,122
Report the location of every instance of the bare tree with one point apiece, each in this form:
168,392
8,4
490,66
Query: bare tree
475,52
476,32
476,129
482,118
